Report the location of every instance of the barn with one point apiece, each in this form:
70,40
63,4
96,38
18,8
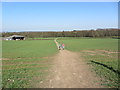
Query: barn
15,37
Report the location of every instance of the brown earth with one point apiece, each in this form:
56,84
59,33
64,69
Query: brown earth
70,71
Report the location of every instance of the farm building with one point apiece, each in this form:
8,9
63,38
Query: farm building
15,37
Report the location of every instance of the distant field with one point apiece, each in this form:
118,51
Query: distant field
90,44
26,62
51,38
102,53
28,48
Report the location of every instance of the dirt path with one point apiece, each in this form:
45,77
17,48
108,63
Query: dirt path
71,71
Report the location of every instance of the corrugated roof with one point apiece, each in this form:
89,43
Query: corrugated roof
16,36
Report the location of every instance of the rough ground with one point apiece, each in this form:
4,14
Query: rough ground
70,71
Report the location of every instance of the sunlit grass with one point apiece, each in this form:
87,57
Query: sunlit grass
101,53
24,64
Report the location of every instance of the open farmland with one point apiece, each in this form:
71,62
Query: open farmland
101,53
26,63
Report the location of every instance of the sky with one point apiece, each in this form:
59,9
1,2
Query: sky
58,16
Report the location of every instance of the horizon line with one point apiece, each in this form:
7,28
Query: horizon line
57,30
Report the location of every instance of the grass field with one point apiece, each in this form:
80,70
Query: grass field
91,44
101,53
26,62
49,38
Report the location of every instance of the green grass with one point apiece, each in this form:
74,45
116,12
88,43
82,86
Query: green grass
24,64
92,51
90,44
28,48
42,38
22,78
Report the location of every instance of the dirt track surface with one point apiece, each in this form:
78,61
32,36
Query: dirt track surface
71,71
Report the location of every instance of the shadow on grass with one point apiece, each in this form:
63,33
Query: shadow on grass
110,68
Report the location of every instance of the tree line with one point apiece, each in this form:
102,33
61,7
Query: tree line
74,33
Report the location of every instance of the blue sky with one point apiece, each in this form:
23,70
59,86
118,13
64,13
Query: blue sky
58,16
